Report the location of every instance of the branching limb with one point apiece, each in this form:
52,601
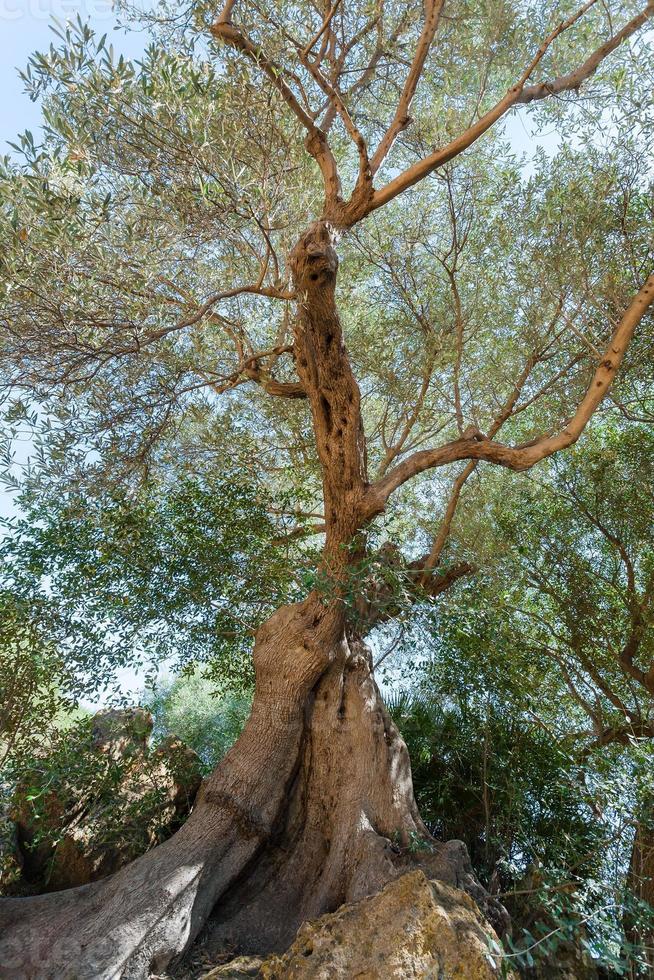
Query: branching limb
401,119
475,445
573,80
255,289
383,605
350,126
250,369
316,140
505,414
325,26
519,93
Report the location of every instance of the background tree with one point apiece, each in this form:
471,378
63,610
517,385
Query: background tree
550,645
178,574
36,684
197,711
145,276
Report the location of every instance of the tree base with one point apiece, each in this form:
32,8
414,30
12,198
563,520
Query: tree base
313,807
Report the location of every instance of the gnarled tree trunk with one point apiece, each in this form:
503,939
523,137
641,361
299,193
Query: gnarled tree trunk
304,813
308,808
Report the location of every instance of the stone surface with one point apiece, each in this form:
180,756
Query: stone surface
148,795
449,861
122,732
414,929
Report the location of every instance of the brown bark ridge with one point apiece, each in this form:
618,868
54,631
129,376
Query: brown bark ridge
142,917
310,808
334,397
349,811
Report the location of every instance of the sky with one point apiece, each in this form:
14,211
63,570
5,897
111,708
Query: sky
25,27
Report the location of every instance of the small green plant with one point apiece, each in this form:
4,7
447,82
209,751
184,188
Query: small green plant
109,801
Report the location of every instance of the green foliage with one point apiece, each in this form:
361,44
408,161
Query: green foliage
496,780
183,572
122,796
547,834
35,682
143,269
205,718
529,737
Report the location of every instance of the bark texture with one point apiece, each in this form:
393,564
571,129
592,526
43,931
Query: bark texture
149,912
350,809
309,809
335,400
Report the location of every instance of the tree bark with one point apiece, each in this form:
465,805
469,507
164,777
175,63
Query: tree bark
314,803
312,807
149,912
349,809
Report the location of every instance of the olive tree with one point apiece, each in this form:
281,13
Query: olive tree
171,288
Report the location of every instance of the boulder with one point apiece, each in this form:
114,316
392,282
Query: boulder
414,929
122,732
136,797
449,861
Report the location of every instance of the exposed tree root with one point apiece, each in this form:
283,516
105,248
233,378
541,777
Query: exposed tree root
313,807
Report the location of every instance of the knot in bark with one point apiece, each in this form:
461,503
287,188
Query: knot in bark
225,31
313,261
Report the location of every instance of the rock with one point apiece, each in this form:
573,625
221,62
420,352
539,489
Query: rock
414,929
450,862
133,798
122,732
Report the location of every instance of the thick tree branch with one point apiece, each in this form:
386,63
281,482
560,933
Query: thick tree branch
517,94
249,369
478,446
573,80
401,119
280,389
